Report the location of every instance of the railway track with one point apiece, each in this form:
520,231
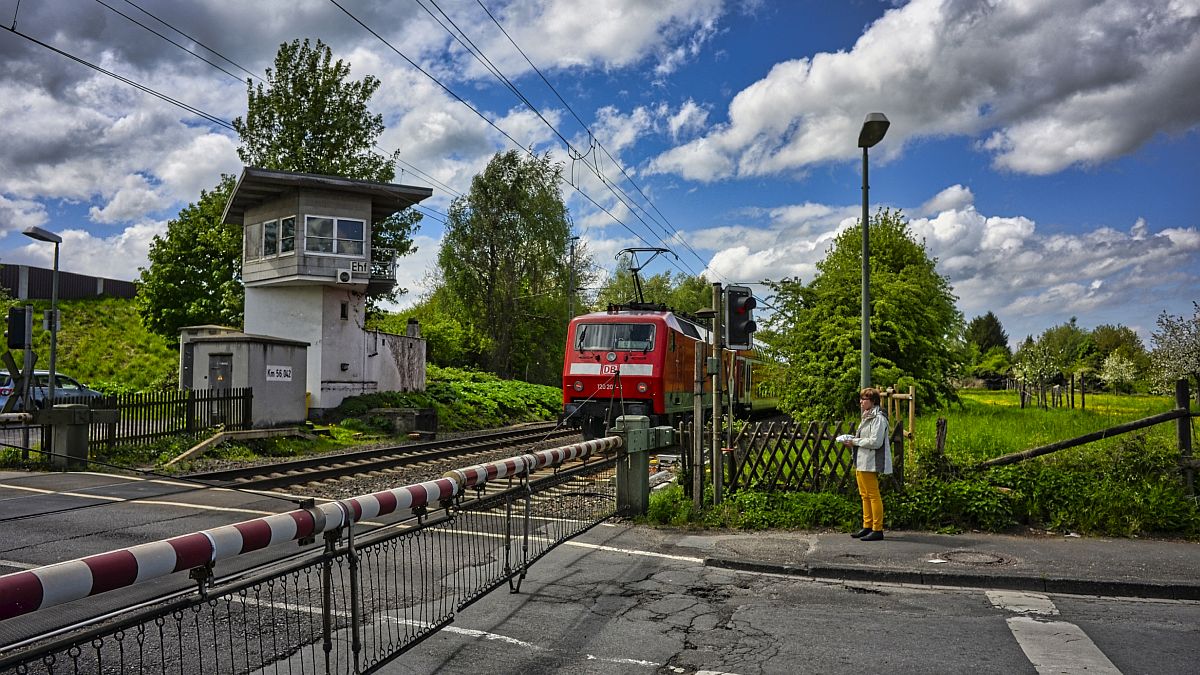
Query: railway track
364,462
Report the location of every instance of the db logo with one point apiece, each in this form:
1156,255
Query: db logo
608,368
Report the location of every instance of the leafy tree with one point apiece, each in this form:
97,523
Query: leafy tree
310,117
914,323
986,332
194,275
1108,339
1067,346
307,118
503,260
1177,348
681,292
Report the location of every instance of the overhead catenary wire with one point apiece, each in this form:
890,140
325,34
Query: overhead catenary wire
475,51
466,103
592,136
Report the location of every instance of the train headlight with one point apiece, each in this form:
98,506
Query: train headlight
578,386
643,387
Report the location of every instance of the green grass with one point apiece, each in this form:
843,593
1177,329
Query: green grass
1122,486
103,344
989,424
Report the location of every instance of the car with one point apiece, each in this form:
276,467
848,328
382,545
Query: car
66,389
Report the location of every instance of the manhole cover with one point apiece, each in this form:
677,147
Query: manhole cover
973,558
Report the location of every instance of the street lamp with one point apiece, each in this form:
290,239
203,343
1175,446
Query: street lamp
34,232
873,130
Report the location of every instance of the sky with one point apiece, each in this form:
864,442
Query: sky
1045,151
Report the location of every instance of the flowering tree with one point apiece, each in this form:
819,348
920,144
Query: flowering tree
1118,371
1177,348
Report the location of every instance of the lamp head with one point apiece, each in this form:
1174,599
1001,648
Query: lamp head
35,232
873,129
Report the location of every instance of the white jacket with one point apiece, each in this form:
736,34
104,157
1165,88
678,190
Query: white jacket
872,447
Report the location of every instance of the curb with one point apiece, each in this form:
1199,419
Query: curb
1130,589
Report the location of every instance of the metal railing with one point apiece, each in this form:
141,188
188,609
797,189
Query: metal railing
356,604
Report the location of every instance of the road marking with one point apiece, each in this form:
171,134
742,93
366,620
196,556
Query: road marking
456,630
1059,647
1023,603
1051,646
18,565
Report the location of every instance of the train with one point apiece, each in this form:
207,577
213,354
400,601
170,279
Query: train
640,359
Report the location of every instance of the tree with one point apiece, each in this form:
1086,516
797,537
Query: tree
986,332
1108,339
1067,346
503,261
307,118
915,325
310,117
682,292
194,275
1118,372
1176,352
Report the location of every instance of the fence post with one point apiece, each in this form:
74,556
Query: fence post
898,454
189,410
1183,433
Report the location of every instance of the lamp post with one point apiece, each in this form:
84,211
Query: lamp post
38,233
873,128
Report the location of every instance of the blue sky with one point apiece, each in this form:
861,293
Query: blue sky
1045,150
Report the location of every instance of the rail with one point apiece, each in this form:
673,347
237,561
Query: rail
351,607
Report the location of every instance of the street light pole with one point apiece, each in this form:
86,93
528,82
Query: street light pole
34,232
873,129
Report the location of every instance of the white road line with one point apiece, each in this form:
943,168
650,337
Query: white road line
1051,646
1059,647
1023,603
456,630
18,565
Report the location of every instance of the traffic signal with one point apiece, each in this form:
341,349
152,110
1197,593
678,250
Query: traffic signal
16,328
739,317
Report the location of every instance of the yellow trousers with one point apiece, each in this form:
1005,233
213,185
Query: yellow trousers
868,488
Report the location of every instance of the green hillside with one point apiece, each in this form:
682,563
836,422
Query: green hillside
104,345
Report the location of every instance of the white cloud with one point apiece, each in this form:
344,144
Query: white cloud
133,199
1042,84
117,257
690,118
1003,264
18,214
952,198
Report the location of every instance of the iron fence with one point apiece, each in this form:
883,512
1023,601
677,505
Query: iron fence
356,604
150,416
786,455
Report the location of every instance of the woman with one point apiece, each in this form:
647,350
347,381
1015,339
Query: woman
872,456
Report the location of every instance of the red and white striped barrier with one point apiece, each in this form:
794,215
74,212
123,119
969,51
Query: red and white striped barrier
474,476
42,587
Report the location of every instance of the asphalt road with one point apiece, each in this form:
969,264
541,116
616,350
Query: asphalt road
622,610
611,602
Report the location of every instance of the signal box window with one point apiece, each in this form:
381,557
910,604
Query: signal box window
270,237
287,235
630,337
340,236
254,241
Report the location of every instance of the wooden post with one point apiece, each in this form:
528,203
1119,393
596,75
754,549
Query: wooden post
1072,391
1183,433
912,411
1082,393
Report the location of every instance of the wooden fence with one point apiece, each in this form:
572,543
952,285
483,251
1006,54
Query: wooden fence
148,417
785,455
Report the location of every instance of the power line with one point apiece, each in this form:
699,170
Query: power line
164,37
463,101
473,49
591,136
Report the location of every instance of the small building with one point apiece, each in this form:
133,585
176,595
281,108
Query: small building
308,266
216,357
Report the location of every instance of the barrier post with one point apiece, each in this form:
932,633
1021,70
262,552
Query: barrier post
1183,433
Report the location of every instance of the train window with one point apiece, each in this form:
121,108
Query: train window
635,337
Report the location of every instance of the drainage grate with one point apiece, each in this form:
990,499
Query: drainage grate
974,558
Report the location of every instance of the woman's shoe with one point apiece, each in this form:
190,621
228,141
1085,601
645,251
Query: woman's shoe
861,533
873,535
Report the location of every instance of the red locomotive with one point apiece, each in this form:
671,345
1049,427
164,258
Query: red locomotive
640,360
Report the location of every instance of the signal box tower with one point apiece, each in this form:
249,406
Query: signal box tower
307,264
